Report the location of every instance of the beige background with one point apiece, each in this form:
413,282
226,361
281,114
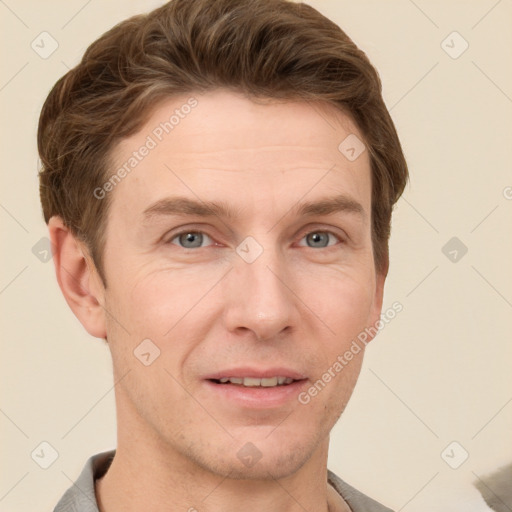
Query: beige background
439,372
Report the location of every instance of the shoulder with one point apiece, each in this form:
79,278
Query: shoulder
80,497
356,500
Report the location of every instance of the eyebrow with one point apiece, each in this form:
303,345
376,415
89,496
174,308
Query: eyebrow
331,205
186,206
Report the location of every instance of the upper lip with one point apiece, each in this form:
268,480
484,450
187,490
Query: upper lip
256,373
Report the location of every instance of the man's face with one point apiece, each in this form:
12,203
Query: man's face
266,285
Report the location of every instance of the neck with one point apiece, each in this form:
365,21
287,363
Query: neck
144,476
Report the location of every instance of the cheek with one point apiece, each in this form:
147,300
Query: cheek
172,308
161,299
341,299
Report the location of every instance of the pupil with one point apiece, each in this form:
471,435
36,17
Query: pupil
318,239
191,240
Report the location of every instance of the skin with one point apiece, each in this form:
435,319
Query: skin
298,305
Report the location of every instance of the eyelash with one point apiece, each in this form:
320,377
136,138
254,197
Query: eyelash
303,235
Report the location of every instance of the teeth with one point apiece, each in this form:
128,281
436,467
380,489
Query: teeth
269,382
252,382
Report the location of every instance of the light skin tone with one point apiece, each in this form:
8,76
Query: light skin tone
276,171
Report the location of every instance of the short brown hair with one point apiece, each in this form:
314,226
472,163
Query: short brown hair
262,48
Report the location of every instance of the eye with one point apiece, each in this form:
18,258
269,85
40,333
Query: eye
190,239
320,239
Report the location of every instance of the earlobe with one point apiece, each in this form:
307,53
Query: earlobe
77,278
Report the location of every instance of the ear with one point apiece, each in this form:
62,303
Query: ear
376,308
78,278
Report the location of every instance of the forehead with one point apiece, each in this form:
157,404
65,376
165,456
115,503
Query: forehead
223,145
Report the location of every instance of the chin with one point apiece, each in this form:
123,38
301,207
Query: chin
260,459
275,467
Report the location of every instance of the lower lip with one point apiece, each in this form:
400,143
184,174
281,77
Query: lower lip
258,397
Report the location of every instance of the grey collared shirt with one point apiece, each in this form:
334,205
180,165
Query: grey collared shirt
80,497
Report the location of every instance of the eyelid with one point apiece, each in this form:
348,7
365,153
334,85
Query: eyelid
336,236
312,228
186,231
203,229
338,233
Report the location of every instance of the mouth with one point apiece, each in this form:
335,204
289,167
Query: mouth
249,388
253,382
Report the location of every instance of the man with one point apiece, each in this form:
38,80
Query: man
218,178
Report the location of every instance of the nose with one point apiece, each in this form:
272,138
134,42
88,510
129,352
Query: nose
259,297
